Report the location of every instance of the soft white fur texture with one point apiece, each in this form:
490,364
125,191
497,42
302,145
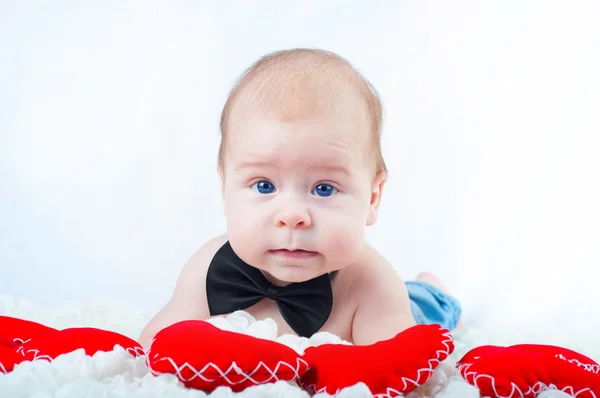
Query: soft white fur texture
117,374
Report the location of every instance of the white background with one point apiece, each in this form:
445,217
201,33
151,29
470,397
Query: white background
109,132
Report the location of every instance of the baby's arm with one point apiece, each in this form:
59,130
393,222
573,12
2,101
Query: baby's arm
189,297
384,306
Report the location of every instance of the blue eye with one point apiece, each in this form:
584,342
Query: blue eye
264,187
325,190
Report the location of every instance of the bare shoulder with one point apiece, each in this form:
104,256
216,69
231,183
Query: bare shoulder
372,278
374,272
188,300
382,299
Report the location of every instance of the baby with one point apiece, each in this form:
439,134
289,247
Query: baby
302,176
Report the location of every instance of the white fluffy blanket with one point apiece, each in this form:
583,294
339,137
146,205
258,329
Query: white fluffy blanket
116,374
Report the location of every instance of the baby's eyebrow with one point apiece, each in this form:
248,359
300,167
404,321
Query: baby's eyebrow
333,168
257,164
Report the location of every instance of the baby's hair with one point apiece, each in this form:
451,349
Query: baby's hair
299,83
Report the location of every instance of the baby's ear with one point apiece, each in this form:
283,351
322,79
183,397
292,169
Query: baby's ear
376,193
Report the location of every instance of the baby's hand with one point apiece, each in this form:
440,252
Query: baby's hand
394,366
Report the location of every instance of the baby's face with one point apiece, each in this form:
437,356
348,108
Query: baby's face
297,196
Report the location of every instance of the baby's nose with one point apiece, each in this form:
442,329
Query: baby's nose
294,218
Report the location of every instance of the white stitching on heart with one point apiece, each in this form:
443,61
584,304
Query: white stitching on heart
464,371
234,368
135,351
587,366
21,350
535,389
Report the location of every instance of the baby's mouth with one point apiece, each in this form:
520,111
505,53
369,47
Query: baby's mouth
296,253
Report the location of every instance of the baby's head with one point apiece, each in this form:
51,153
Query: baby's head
301,165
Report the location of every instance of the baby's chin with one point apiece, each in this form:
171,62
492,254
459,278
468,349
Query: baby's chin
283,275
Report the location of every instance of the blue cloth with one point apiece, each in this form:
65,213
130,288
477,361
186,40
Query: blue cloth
430,305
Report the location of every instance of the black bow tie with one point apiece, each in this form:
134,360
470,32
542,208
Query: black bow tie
233,285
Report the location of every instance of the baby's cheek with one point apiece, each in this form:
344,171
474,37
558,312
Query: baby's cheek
345,240
242,224
245,237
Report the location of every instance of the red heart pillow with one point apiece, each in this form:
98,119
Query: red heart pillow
8,359
563,353
15,331
205,357
50,345
388,368
527,369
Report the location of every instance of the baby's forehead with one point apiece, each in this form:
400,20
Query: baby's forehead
299,86
320,143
